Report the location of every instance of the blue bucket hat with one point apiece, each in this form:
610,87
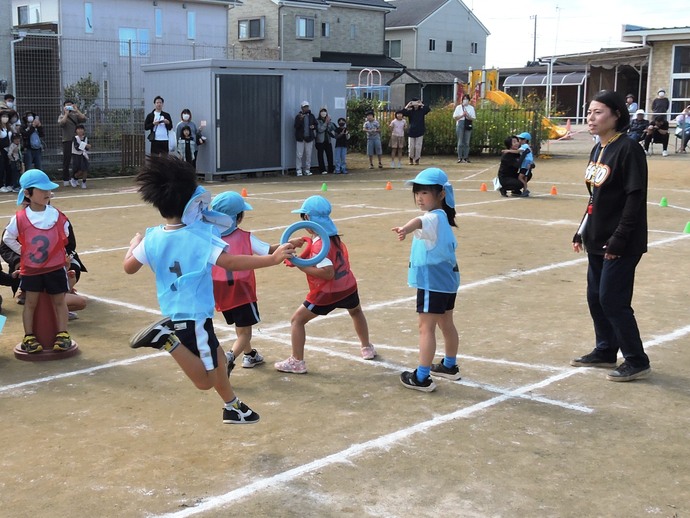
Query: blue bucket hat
435,176
318,209
230,204
34,178
524,135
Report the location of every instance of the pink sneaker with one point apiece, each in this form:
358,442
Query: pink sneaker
292,365
368,353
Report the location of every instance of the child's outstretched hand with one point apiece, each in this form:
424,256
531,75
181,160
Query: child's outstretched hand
305,253
283,252
401,232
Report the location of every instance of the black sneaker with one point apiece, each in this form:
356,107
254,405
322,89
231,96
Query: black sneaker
155,335
231,362
240,415
626,372
592,360
409,380
440,370
503,192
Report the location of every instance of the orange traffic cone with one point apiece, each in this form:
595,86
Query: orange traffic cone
389,186
554,191
483,187
244,193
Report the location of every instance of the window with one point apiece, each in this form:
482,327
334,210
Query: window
326,30
191,25
432,45
449,46
353,31
305,28
252,29
158,22
88,17
680,79
392,49
474,48
139,39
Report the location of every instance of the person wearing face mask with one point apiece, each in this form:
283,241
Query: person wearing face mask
8,107
325,131
68,121
464,115
32,137
186,120
661,104
5,141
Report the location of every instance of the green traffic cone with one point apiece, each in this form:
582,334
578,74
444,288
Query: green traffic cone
663,202
687,228
324,187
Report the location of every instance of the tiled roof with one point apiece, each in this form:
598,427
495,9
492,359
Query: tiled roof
360,60
410,13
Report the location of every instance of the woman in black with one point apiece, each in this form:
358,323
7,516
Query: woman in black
614,233
509,169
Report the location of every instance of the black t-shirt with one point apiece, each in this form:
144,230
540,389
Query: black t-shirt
618,220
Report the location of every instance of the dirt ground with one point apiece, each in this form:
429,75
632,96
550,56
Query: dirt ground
120,433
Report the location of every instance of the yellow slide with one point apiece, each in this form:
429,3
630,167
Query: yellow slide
551,130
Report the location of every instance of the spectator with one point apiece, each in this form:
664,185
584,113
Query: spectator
325,131
373,130
16,158
199,139
186,145
683,128
509,170
305,132
32,137
341,138
5,141
632,105
397,140
657,132
638,125
661,104
80,157
463,115
415,111
158,123
68,121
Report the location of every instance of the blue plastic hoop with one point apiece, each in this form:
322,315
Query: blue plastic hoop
325,240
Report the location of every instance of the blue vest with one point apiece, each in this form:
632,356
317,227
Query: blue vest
180,261
435,269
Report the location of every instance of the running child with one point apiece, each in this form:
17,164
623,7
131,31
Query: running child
39,233
181,253
397,141
373,130
331,285
235,291
433,270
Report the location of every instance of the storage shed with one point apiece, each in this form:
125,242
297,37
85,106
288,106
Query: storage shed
248,107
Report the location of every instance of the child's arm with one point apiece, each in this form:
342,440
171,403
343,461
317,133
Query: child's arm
409,227
297,242
325,273
131,264
253,262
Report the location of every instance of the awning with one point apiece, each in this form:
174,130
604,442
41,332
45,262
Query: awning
557,79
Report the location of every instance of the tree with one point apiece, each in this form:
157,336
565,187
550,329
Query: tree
84,93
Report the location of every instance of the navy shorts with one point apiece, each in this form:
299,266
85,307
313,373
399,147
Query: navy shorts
435,302
186,332
349,302
243,316
53,283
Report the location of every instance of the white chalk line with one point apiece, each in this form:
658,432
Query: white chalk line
383,442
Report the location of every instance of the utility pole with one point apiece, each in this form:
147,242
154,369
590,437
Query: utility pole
534,50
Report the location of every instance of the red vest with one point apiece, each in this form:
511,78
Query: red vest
234,289
43,251
342,285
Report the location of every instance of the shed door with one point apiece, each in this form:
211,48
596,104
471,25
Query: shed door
248,122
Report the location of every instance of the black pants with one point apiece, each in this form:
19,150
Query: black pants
327,148
658,138
510,183
66,160
159,147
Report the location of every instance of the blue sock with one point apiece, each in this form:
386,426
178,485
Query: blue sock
449,362
423,373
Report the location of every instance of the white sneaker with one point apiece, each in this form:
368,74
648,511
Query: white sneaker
83,185
307,172
324,172
664,153
73,182
65,183
5,189
648,153
299,172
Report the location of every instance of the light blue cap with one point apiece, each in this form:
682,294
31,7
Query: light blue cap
318,209
34,178
435,176
230,204
525,135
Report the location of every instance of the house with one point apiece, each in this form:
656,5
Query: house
437,41
340,31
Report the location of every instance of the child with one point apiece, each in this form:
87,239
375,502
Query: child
434,272
527,162
15,155
181,253
235,291
397,142
331,285
186,145
373,130
341,138
39,234
80,157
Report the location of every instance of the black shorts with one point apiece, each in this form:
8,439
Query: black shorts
53,283
243,316
79,163
187,333
435,302
527,173
349,302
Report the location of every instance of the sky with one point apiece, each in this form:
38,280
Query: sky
567,27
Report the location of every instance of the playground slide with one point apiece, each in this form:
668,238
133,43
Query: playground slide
551,130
